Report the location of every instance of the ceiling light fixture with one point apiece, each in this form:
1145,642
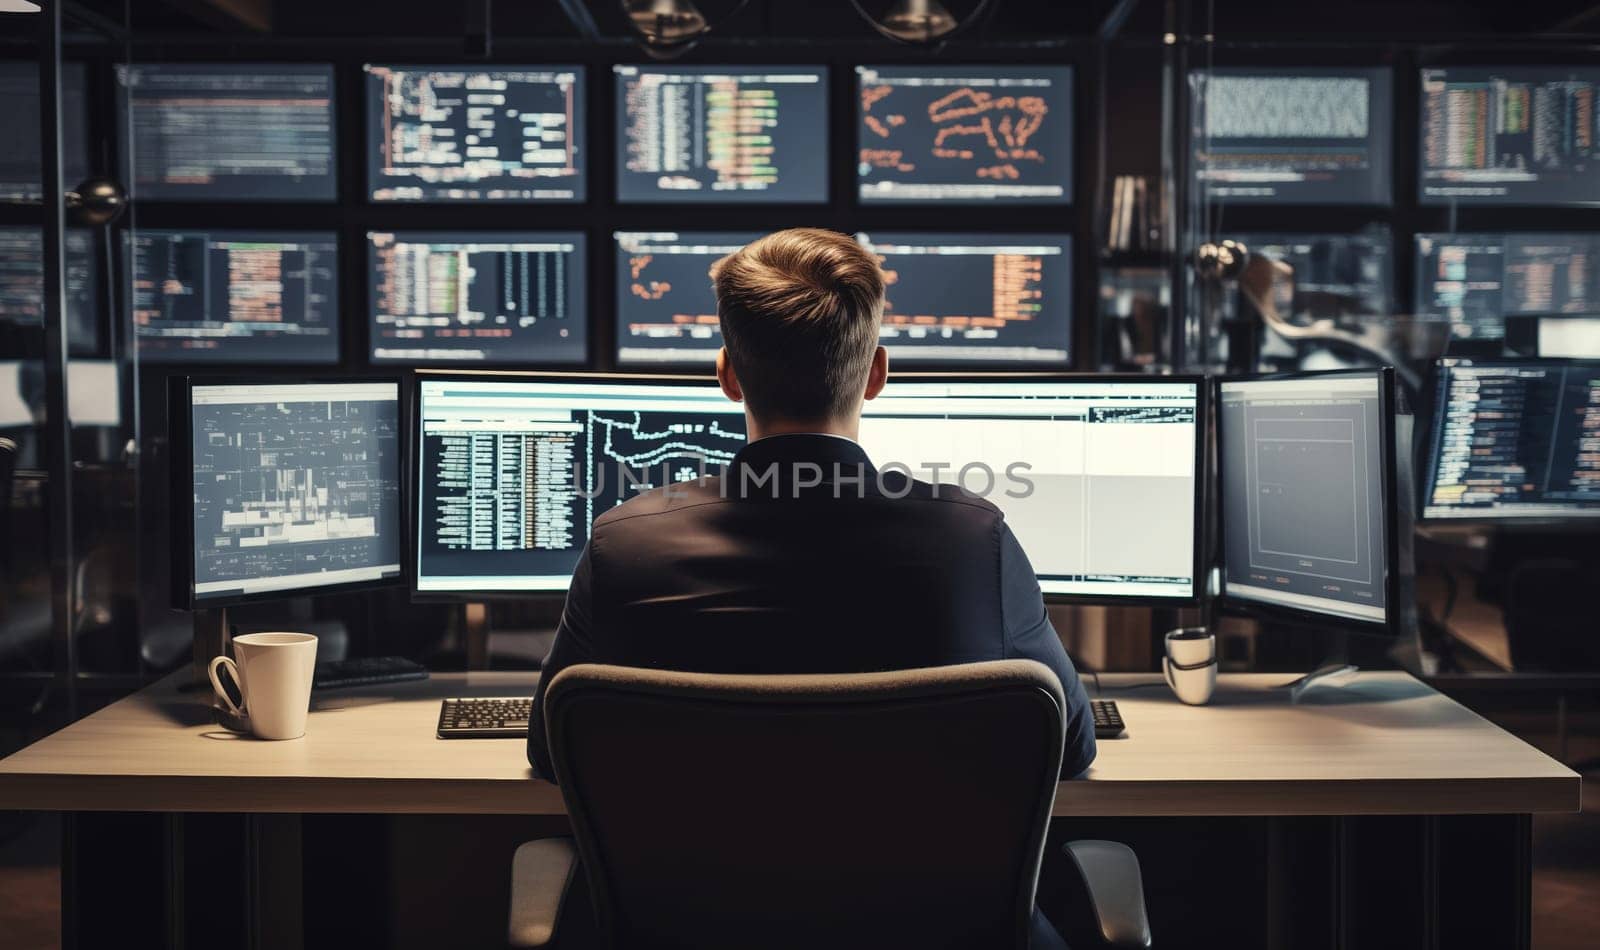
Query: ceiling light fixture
919,22
670,27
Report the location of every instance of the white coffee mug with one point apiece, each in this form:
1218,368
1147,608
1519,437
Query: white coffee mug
1190,664
273,673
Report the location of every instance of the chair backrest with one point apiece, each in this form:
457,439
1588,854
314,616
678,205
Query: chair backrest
898,809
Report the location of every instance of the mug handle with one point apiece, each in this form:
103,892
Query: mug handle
1166,671
216,684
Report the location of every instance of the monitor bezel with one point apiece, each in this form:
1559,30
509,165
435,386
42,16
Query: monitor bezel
411,570
1451,203
580,114
1201,475
918,365
1428,450
1384,167
1202,399
585,319
180,482
185,364
699,201
1066,200
335,173
1389,626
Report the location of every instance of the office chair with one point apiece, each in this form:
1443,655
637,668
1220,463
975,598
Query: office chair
903,809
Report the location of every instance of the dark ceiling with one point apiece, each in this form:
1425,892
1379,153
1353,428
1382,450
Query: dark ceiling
1005,20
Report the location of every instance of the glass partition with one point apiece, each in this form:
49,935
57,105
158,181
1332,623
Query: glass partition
69,480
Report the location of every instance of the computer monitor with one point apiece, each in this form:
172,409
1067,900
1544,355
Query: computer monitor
475,133
967,134
478,297
976,298
1307,496
247,297
232,132
1302,135
666,308
22,285
1336,276
284,488
1475,281
1097,476
1509,135
20,151
1514,442
755,134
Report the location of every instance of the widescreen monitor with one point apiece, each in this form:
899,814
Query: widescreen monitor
1307,495
964,134
752,134
1474,281
1304,135
666,308
247,297
284,488
1097,477
1514,442
20,152
975,298
478,297
475,133
1509,135
232,132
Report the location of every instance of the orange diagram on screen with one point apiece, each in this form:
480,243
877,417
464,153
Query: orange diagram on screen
969,125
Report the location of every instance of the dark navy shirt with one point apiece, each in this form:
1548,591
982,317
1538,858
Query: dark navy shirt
803,558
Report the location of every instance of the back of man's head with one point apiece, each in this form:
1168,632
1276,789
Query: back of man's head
800,311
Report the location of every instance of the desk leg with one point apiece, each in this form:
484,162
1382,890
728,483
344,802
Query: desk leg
125,881
1485,881
113,880
274,868
177,915
69,882
1385,873
1304,883
1355,882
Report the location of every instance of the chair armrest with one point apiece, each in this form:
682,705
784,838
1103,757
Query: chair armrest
1110,872
541,871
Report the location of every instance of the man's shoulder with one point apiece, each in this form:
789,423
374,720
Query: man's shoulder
953,499
656,501
891,488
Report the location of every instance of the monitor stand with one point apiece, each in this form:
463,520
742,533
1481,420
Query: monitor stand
1328,675
1334,656
475,635
213,637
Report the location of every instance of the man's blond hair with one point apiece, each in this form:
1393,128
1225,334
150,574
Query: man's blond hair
800,311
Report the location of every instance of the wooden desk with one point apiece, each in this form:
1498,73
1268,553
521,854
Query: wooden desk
1386,744
1380,814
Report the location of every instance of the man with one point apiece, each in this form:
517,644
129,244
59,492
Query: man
802,557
